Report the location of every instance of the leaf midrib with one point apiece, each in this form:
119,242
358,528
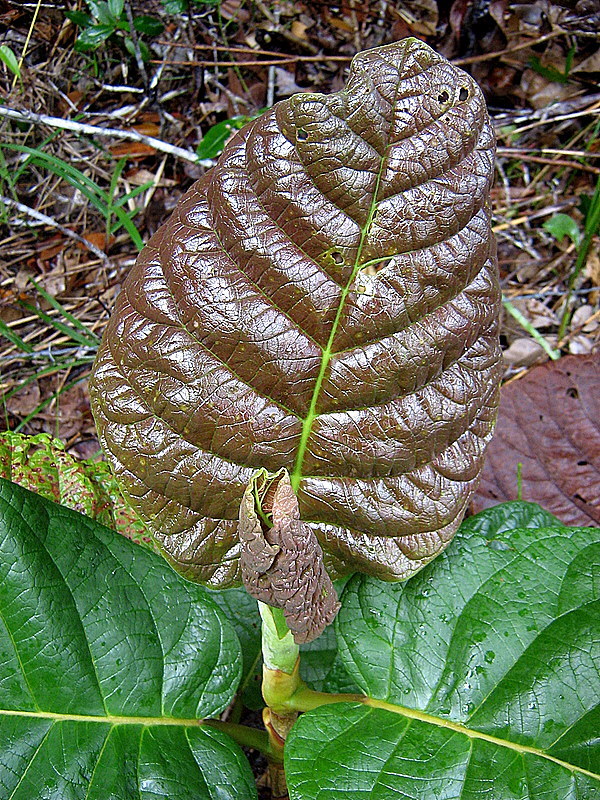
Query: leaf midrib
108,719
456,727
296,475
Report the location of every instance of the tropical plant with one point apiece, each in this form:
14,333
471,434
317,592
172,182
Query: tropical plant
299,382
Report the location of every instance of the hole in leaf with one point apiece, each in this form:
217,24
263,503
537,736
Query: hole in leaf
463,94
572,392
373,269
443,97
301,134
582,463
337,257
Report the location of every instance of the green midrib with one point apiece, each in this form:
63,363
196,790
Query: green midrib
307,424
409,713
440,722
296,475
108,719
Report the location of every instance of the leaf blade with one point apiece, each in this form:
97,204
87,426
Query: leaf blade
108,642
504,657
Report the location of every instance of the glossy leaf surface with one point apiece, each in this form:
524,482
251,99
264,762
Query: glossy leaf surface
484,669
324,300
108,660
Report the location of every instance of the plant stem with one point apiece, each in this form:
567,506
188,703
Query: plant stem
245,736
592,224
526,325
305,699
281,680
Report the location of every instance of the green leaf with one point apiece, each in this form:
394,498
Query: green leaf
93,37
149,25
115,8
108,662
320,665
102,12
214,139
144,51
9,58
242,612
561,225
174,6
79,18
482,673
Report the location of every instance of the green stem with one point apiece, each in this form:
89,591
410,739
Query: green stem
592,224
526,325
305,699
280,651
245,736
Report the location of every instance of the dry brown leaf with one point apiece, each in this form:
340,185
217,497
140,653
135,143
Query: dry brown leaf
524,352
132,150
99,239
549,421
147,128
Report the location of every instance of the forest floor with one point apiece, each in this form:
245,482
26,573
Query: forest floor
110,112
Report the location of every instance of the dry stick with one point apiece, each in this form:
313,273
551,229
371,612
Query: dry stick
559,162
27,40
31,212
94,130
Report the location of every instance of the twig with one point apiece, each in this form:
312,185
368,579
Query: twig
558,162
31,212
27,40
93,130
507,50
271,74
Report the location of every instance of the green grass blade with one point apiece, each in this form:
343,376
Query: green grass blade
88,337
13,337
75,335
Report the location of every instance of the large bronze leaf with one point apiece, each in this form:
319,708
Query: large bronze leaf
324,300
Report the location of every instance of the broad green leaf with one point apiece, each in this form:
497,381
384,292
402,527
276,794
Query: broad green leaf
483,673
115,8
8,57
92,37
102,12
174,6
149,25
214,139
242,612
79,18
561,225
108,662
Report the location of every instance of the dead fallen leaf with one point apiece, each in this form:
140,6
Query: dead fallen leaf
147,128
99,239
132,150
549,422
524,352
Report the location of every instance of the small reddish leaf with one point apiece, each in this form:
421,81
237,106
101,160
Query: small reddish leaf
99,239
132,150
549,421
282,563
